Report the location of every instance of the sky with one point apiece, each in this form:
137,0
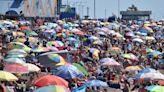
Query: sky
111,7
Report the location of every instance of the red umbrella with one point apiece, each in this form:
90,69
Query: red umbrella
50,80
24,28
79,33
16,68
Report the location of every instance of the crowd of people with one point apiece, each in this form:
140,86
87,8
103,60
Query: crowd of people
121,56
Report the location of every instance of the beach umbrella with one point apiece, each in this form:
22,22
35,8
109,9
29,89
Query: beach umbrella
71,39
143,31
111,32
55,43
18,45
53,88
155,88
50,80
147,50
14,60
98,42
16,52
129,34
25,28
130,56
30,33
16,34
152,75
85,21
149,38
81,68
53,48
15,68
161,82
146,70
93,38
68,72
15,56
150,30
22,40
6,76
94,51
32,67
111,63
102,33
154,53
5,31
133,68
115,50
40,49
80,33
97,83
138,40
107,60
80,89
57,59
161,61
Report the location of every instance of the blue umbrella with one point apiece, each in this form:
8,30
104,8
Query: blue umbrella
143,31
107,60
154,53
71,39
68,72
96,83
161,61
146,70
66,26
80,89
155,88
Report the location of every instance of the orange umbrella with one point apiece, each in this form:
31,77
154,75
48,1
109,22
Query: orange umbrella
115,50
50,80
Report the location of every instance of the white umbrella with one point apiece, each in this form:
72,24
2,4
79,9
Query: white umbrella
152,75
138,40
32,67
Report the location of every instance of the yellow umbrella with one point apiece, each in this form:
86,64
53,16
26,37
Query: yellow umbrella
5,31
115,50
6,76
32,67
132,68
22,40
15,34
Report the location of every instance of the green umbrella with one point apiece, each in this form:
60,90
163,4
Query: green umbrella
31,33
155,88
81,68
14,60
17,52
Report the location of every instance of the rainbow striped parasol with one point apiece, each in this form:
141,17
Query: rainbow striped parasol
55,43
54,88
57,59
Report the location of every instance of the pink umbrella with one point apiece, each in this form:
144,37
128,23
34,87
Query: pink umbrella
110,63
16,68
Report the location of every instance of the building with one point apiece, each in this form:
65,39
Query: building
67,11
31,8
133,13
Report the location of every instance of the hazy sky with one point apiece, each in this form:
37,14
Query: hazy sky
111,6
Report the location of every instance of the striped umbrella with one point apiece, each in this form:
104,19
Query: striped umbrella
57,59
53,88
50,80
55,43
16,68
